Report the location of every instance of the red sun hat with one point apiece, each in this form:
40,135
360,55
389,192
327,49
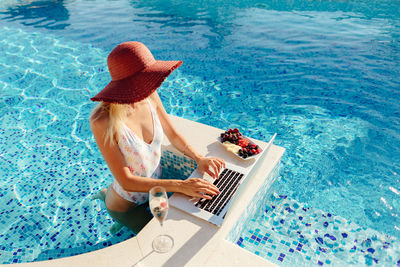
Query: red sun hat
135,74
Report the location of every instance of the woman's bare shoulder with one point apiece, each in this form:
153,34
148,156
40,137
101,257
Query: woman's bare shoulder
99,123
155,99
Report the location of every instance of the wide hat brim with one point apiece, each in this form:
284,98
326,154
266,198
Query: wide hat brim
138,86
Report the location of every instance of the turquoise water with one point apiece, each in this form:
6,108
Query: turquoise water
290,233
324,75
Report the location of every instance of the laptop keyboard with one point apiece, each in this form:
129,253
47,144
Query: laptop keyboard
227,184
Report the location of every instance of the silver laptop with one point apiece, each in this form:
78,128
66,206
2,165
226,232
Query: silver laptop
214,210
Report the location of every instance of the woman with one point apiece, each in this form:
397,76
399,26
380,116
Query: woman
129,124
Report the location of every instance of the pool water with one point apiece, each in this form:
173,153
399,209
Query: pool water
322,74
291,233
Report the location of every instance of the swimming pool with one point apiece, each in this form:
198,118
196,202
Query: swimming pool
324,75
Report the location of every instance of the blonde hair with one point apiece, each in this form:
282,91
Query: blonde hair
115,115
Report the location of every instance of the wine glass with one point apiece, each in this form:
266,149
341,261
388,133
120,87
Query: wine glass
158,201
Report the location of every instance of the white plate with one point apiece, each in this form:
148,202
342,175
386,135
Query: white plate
237,155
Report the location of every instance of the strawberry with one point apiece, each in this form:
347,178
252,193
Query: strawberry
243,142
258,150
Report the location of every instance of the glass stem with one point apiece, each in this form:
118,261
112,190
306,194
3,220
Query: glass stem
162,228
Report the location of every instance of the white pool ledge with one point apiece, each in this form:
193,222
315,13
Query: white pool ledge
197,242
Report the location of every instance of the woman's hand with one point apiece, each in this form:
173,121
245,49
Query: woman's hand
211,165
197,187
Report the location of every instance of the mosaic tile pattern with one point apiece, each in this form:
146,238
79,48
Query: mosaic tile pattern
177,166
30,237
49,163
34,94
290,233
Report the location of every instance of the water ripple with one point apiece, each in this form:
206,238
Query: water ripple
324,74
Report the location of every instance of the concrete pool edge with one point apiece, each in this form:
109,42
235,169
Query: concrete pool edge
201,243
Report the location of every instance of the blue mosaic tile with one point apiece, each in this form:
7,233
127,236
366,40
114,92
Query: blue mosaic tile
54,228
312,236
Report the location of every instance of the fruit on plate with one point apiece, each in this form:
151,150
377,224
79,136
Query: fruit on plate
231,147
235,142
243,142
232,136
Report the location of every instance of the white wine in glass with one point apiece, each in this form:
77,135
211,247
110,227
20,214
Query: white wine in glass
158,201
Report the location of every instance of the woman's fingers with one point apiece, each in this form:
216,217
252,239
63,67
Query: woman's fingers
209,187
220,163
201,195
205,196
217,164
212,166
201,183
206,193
215,168
198,187
212,173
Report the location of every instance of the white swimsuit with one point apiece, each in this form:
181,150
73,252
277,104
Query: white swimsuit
142,159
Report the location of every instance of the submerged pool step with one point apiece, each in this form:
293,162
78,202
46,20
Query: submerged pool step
288,233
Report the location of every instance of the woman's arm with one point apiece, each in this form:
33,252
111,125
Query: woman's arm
210,165
116,162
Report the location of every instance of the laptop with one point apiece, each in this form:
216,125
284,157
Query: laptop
229,180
